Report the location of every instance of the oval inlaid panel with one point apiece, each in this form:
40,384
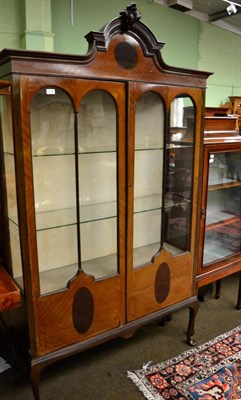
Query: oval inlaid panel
162,282
83,310
126,55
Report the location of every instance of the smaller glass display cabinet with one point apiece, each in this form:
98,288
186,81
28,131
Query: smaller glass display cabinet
100,173
220,235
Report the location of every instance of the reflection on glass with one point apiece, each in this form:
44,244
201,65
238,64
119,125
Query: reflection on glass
223,219
9,165
179,167
53,147
97,184
148,173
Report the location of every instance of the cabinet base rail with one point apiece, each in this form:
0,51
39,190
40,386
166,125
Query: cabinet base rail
40,362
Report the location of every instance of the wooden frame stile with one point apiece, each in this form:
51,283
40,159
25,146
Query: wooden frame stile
198,179
5,90
25,198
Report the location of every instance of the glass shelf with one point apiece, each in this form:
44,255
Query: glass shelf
214,252
222,237
171,146
52,280
172,201
148,203
214,218
90,213
151,146
222,183
8,153
144,253
41,152
59,218
45,152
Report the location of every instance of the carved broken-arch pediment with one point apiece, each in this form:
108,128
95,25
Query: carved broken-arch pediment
127,23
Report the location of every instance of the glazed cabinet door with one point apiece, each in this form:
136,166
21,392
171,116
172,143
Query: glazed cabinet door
220,239
73,203
164,131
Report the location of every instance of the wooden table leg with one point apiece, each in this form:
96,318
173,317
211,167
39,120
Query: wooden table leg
36,370
218,289
193,309
239,293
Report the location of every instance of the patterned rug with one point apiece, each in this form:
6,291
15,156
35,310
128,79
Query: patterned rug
211,371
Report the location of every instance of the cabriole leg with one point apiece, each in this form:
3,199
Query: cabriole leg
239,293
36,370
193,309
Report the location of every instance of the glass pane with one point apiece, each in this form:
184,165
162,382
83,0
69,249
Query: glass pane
97,184
223,219
11,198
179,172
52,130
148,173
52,123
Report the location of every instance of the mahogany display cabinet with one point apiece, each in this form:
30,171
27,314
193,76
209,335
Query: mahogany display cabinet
220,226
100,189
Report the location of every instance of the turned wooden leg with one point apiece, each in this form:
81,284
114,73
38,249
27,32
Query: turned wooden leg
193,309
36,370
218,289
205,291
239,293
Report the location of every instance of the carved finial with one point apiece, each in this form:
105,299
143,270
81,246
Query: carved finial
130,15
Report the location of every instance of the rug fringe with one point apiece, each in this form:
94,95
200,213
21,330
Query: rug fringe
208,366
140,385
